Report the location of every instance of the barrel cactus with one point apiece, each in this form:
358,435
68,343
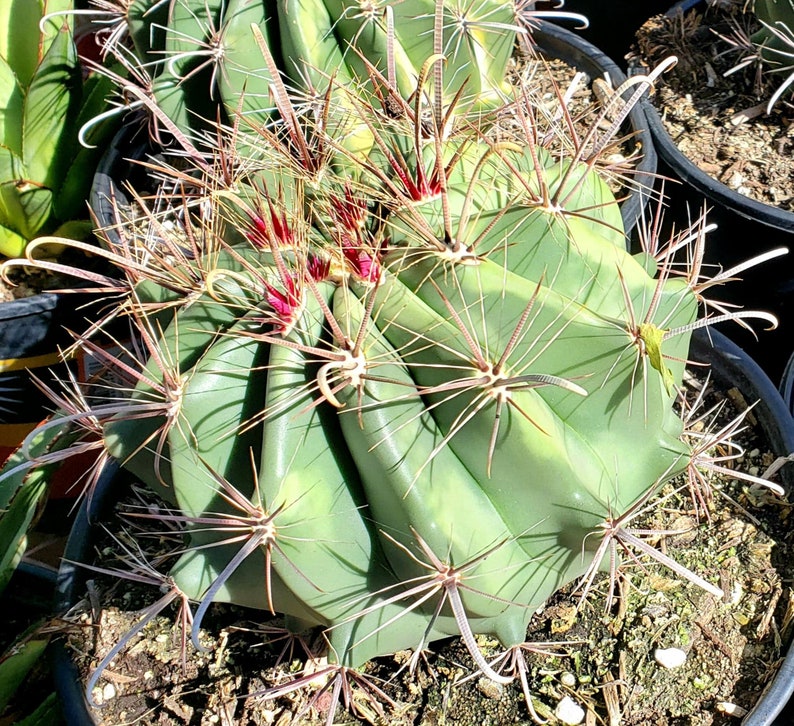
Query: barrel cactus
398,394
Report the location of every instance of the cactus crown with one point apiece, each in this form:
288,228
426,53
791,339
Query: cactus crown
392,387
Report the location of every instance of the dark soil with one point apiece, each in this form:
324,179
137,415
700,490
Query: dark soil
603,659
719,122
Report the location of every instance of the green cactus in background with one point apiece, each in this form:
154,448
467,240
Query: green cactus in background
191,62
775,41
45,174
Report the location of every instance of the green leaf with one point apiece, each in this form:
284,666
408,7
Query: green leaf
23,490
16,663
48,713
56,26
25,207
10,212
70,198
19,36
11,99
50,107
36,203
12,244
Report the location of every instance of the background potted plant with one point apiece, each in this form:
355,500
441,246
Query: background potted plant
46,173
721,97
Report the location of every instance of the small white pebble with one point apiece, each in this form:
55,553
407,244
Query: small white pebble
148,675
108,692
731,709
568,679
569,712
670,657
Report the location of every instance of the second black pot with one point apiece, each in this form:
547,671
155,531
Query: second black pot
745,228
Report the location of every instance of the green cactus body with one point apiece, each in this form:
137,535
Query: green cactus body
203,57
400,381
477,43
363,34
415,370
146,25
181,87
415,403
776,15
243,77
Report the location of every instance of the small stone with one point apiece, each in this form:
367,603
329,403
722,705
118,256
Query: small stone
670,657
108,692
490,688
569,712
731,709
568,679
736,593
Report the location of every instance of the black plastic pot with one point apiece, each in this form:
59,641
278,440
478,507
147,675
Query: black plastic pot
787,384
118,172
685,170
70,588
32,332
730,366
745,228
612,24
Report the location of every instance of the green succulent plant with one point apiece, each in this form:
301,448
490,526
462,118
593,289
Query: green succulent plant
394,394
45,173
775,41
